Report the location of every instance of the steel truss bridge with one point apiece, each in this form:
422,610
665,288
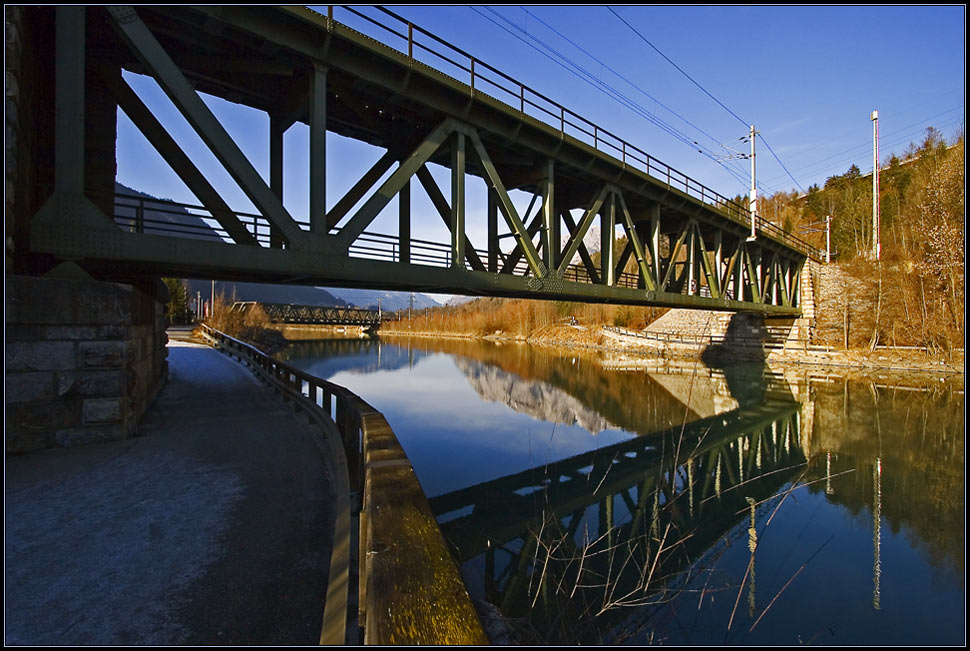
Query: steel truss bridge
631,515
285,313
371,76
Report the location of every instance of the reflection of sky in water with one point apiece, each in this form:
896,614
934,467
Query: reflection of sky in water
830,601
453,438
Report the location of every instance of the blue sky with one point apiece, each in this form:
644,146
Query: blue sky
806,77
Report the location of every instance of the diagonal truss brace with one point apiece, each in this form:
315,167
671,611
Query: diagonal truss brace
142,117
508,209
146,47
397,180
633,239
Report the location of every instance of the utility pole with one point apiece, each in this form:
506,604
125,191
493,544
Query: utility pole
876,245
753,200
212,299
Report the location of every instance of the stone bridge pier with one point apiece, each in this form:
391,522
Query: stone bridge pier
84,356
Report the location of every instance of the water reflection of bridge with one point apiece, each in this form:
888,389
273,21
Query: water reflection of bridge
605,525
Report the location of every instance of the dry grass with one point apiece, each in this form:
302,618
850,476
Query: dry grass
519,318
252,326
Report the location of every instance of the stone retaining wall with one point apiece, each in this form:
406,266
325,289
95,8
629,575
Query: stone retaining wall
84,359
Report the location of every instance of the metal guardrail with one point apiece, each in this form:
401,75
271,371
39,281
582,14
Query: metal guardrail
409,589
405,37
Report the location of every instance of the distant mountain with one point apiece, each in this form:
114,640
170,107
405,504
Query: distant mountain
158,217
389,301
461,300
264,293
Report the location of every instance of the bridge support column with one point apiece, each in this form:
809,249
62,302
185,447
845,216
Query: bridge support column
404,223
69,89
493,248
84,359
458,201
277,127
607,237
318,149
550,219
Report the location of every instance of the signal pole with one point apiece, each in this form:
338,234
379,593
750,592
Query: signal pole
828,239
876,245
753,201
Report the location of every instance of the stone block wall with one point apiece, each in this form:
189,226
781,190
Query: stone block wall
84,360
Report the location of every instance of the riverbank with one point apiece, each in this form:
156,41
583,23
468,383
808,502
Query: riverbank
598,338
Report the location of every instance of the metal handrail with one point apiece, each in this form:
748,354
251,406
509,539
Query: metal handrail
371,450
369,245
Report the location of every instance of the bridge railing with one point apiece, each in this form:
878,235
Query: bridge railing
139,214
421,45
409,590
175,219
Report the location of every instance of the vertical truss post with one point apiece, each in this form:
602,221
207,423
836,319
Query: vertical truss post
655,242
692,284
607,234
404,222
775,279
277,127
493,248
318,149
738,271
69,100
550,219
759,274
458,201
718,263
752,265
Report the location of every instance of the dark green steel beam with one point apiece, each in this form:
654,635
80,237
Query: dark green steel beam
147,48
178,160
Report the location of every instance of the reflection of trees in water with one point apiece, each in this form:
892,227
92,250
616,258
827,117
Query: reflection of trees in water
352,355
917,438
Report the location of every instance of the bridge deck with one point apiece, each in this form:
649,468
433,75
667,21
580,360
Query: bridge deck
685,245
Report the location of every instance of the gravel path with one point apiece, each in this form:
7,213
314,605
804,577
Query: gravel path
211,527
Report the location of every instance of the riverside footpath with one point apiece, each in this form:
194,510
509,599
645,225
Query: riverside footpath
212,526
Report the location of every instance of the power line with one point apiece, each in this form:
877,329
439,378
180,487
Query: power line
706,92
847,154
589,78
634,85
780,163
620,75
635,31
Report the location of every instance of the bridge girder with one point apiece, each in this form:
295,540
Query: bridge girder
680,250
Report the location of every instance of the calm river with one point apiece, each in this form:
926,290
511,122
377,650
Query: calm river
594,499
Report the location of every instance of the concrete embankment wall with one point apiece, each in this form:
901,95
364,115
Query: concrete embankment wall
84,359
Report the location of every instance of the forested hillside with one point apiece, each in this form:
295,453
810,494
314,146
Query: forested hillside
914,295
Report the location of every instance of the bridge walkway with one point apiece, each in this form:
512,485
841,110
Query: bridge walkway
211,527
